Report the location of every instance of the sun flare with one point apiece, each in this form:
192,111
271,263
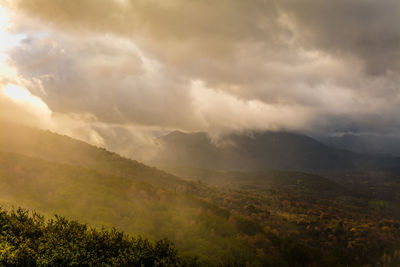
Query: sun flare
23,97
16,93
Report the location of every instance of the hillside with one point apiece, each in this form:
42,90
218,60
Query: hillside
262,151
273,218
63,149
199,133
305,183
135,207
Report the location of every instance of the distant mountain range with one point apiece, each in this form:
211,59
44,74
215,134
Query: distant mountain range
366,143
263,151
246,218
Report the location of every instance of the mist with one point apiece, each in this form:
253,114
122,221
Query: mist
231,67
239,133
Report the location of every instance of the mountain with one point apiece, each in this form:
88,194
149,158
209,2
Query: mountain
55,174
262,151
241,218
134,206
63,149
366,143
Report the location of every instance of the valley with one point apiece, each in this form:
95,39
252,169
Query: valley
199,133
218,217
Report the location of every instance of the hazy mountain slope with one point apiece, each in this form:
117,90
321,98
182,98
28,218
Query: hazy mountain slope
262,151
132,206
262,218
51,146
258,218
304,183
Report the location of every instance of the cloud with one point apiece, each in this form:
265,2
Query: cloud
222,112
218,66
364,29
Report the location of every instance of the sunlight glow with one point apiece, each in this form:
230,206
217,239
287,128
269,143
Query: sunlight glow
16,93
7,41
21,95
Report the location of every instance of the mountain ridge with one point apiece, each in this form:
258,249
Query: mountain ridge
252,219
262,151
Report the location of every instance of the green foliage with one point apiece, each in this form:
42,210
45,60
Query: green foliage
271,218
197,227
247,226
378,204
29,240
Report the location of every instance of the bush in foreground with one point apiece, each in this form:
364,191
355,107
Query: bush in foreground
27,239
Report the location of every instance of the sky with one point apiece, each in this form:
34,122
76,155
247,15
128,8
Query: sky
118,73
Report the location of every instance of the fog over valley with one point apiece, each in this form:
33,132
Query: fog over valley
200,133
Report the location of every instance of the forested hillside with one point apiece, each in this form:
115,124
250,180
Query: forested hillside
137,207
272,218
192,133
60,148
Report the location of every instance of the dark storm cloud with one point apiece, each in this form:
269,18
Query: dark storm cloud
316,66
366,29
